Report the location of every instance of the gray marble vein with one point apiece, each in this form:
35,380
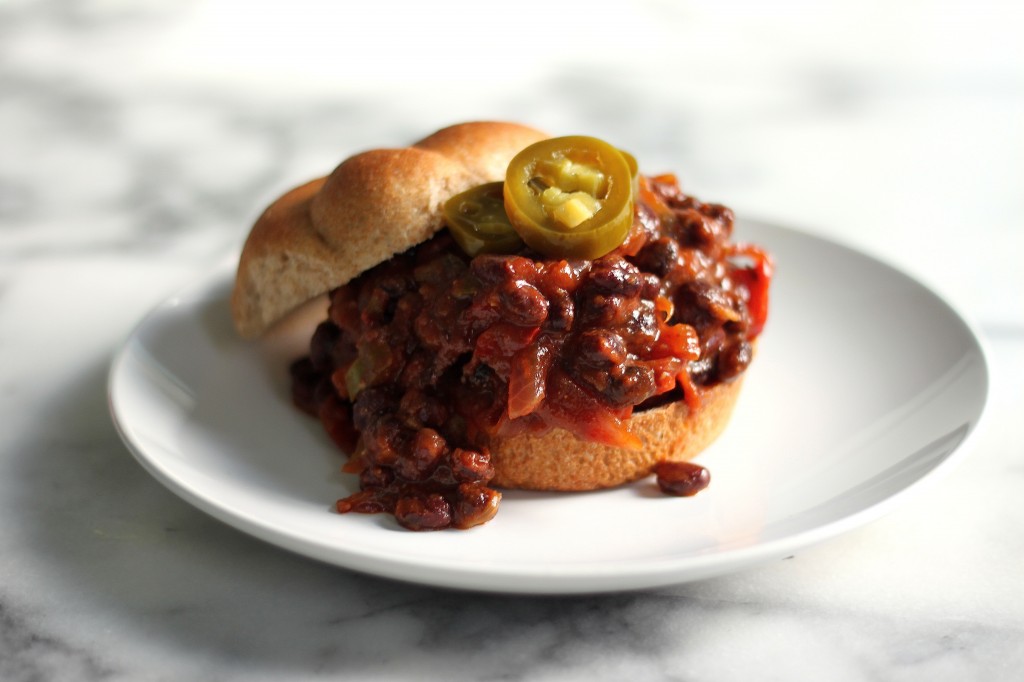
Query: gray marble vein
138,141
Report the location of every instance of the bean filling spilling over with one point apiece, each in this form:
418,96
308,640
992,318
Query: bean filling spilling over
428,356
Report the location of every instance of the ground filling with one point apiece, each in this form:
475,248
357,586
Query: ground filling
427,357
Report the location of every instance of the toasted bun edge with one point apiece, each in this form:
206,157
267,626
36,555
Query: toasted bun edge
559,461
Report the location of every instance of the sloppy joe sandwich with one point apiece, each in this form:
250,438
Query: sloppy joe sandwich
507,310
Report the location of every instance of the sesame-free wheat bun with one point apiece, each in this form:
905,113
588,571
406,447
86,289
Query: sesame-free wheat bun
374,205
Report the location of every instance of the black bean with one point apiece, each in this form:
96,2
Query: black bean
419,461
695,228
440,270
523,304
659,257
613,276
698,300
601,349
561,311
371,405
421,408
429,512
633,386
603,310
643,324
652,286
721,213
476,504
376,478
493,269
321,347
683,479
470,466
734,359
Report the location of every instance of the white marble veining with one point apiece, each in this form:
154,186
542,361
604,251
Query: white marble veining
138,141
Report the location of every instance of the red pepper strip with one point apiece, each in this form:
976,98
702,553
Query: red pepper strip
757,279
691,394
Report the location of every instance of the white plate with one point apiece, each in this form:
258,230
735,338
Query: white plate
865,384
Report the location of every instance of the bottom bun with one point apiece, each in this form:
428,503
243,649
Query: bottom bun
558,460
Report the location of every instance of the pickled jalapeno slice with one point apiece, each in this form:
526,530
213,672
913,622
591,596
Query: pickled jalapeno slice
477,220
634,168
570,197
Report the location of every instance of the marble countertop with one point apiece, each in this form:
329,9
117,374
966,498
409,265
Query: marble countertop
138,142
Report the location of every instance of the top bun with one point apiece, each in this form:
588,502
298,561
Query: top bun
374,205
